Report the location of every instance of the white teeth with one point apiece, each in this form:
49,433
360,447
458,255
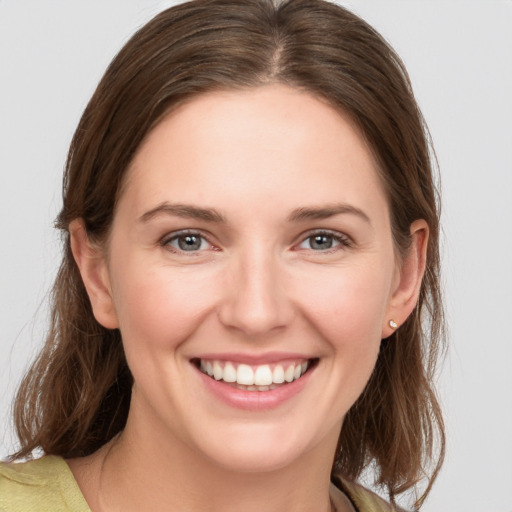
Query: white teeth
258,378
245,375
288,374
263,376
278,375
229,373
217,370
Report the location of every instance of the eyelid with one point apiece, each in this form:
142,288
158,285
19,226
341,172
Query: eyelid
344,240
164,241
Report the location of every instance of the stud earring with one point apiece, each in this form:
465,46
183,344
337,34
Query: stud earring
393,324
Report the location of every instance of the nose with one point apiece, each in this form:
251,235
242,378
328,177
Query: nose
255,301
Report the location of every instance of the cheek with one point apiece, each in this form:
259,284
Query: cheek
160,308
346,303
347,307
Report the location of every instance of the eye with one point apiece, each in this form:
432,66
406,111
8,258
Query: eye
186,242
324,241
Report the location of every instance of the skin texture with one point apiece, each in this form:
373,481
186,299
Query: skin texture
255,286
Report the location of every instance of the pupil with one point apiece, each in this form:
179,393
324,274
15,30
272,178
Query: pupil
189,242
321,242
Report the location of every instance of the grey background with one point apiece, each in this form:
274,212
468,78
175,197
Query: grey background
459,55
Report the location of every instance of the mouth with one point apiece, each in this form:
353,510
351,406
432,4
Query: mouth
259,378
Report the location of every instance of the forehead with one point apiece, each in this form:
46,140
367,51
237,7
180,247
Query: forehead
273,142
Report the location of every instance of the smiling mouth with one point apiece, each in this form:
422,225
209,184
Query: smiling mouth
264,377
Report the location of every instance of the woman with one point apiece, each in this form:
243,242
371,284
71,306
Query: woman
248,306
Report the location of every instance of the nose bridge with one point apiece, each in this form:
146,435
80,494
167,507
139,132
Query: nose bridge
256,303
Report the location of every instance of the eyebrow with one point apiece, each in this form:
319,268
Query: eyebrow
324,212
184,210
211,215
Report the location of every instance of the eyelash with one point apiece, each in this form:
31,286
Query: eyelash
343,240
166,241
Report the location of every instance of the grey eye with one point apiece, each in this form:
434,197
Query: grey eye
188,242
321,242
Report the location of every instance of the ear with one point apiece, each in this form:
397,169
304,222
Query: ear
408,278
92,264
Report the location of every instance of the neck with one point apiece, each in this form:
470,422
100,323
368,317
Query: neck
159,472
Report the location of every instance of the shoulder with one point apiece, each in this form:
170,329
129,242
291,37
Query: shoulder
39,485
363,499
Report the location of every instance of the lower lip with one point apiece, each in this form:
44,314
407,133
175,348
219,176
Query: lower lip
254,400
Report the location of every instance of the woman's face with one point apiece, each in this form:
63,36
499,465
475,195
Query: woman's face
252,240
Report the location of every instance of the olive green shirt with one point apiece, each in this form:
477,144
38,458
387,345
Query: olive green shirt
48,485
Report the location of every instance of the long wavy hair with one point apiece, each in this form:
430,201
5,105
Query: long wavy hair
76,395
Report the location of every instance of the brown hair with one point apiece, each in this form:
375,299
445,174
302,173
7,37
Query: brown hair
76,396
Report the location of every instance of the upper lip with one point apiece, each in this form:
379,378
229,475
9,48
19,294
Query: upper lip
253,359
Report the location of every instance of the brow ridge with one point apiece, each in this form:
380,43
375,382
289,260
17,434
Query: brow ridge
212,215
326,211
183,210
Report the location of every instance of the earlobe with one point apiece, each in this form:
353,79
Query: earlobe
91,263
409,277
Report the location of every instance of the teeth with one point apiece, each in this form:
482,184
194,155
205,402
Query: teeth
229,373
278,374
257,378
245,375
289,373
263,376
217,371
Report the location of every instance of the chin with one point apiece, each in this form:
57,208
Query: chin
254,461
257,450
